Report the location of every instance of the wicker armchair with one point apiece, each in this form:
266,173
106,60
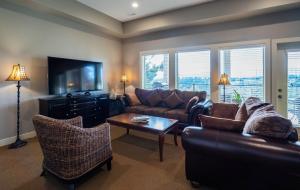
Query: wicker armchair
69,150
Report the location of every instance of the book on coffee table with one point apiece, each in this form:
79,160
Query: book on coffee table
140,119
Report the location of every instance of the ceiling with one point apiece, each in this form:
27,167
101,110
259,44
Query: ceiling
123,11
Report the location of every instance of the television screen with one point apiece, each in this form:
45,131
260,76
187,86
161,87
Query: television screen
69,76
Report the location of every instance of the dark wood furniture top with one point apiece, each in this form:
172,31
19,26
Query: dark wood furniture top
94,109
155,125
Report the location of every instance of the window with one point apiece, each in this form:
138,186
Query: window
193,71
155,71
294,86
245,68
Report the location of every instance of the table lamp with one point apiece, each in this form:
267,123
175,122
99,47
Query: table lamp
18,74
224,80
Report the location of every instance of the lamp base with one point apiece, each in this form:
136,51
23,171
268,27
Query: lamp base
19,143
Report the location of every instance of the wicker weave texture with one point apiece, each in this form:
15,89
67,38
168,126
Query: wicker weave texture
69,149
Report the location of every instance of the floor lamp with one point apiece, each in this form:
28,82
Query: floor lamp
124,80
18,74
224,81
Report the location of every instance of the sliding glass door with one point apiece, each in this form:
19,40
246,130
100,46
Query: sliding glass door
293,85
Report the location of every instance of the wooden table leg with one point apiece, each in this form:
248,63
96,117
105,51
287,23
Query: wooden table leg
161,140
127,131
175,135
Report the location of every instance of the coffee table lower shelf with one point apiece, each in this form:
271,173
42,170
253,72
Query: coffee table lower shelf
157,125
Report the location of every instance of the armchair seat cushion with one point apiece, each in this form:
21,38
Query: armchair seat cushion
221,123
178,114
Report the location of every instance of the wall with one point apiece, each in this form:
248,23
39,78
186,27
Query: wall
28,40
269,26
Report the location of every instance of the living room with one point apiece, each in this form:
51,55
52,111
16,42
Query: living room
188,67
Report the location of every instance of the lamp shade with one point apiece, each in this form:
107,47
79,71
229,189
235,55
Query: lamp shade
17,74
224,80
124,78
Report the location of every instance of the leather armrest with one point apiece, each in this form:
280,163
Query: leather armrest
243,147
202,107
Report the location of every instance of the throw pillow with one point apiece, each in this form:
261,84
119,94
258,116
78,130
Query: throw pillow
193,101
242,114
133,99
221,123
224,110
253,103
173,100
142,95
265,121
154,99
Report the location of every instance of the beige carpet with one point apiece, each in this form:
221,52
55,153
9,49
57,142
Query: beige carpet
136,166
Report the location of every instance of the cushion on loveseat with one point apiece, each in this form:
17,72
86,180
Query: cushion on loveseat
224,110
221,123
178,114
265,121
187,95
173,101
142,95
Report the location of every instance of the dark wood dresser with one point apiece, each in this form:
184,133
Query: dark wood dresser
93,108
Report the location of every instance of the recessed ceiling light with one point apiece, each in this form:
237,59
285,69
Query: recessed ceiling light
135,5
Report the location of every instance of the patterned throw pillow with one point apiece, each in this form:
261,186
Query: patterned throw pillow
252,104
193,101
154,99
265,121
173,101
221,123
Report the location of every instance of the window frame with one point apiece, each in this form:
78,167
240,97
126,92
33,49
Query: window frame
188,50
142,64
267,61
214,63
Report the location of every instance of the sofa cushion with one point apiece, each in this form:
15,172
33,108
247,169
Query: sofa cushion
178,114
242,114
187,95
142,109
164,94
142,95
253,103
193,101
132,99
265,121
157,111
221,123
154,98
224,110
173,100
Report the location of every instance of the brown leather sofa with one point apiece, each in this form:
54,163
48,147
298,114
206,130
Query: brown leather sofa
235,160
180,112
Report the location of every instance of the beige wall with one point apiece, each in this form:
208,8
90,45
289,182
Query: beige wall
28,41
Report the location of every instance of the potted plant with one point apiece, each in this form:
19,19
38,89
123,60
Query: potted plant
237,98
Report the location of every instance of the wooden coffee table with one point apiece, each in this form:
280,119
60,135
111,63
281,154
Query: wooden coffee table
156,125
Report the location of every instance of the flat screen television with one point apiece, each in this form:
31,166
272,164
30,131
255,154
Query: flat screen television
72,76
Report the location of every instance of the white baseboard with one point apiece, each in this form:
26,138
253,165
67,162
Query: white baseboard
10,140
